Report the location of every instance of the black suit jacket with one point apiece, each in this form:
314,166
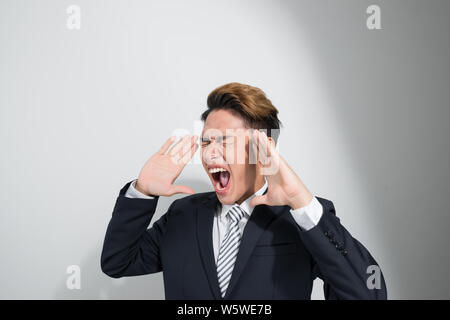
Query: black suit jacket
276,259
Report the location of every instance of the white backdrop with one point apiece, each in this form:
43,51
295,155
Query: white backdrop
364,111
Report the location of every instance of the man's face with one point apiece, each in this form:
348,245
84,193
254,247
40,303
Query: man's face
225,157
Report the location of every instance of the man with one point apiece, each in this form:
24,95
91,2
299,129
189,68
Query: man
260,235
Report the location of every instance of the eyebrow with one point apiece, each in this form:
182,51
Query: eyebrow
220,138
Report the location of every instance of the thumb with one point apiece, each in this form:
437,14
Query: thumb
180,189
258,200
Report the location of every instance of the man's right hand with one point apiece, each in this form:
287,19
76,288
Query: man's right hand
161,170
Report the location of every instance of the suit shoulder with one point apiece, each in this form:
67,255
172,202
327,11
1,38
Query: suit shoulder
193,199
327,204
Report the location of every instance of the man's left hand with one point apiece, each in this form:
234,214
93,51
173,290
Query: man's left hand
284,186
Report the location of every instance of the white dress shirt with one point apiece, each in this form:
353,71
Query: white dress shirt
306,217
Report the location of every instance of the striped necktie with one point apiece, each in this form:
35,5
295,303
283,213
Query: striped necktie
229,249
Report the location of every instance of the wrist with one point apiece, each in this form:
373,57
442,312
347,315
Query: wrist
140,189
300,201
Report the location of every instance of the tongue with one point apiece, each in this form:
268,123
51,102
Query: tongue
224,177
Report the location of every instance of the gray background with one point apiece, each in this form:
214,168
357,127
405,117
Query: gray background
365,124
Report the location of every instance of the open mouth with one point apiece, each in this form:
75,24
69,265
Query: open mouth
221,179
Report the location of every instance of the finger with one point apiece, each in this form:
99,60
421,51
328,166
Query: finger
188,147
176,148
263,156
259,141
253,151
180,189
256,138
258,200
271,148
255,145
166,145
265,143
188,155
268,145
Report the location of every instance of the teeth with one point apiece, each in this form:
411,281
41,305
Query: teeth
214,170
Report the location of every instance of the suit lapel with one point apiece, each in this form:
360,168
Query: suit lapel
260,219
205,219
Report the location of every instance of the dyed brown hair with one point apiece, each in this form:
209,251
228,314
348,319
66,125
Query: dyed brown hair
250,103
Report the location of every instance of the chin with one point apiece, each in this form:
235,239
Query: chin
228,199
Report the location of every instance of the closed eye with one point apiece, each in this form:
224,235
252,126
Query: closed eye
225,140
205,142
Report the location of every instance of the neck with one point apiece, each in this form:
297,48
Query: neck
259,182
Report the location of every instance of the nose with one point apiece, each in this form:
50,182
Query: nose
213,153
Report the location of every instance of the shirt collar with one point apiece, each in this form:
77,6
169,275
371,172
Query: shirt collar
245,205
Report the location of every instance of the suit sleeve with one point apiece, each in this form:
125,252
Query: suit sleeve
342,262
129,248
